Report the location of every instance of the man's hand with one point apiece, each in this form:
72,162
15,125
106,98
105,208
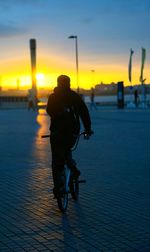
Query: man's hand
87,134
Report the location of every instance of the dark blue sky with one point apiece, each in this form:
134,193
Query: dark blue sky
106,30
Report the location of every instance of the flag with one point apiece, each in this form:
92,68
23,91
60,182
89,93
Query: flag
142,63
130,65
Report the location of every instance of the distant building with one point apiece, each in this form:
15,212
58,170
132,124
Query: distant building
106,88
12,99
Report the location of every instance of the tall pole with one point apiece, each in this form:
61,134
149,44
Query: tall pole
33,91
33,64
0,83
77,61
93,79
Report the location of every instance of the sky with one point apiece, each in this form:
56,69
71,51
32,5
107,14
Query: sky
106,30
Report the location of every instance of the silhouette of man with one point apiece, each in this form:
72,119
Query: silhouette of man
65,107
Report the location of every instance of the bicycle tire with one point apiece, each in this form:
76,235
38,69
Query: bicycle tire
62,198
74,188
62,201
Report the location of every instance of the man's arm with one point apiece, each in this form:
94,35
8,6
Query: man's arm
50,109
85,116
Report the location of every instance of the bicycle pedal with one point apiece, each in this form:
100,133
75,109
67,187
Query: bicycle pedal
82,181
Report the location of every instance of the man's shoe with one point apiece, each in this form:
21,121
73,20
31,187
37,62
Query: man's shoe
58,192
55,192
59,187
76,174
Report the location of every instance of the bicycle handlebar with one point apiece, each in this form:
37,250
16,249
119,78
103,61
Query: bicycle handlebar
82,133
44,136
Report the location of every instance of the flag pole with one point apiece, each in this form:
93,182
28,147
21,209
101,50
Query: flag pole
142,80
130,104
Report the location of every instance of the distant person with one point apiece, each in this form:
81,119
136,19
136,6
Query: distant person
82,96
32,100
136,97
65,107
92,98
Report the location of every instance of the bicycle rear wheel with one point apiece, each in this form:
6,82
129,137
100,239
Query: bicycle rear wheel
62,201
74,188
62,198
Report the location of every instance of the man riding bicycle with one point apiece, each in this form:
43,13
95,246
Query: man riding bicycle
65,108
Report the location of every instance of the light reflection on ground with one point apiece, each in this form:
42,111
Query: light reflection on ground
41,185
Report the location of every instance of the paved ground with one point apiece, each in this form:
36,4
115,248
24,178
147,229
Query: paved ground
113,212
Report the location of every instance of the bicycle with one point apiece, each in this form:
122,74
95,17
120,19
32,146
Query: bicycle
70,185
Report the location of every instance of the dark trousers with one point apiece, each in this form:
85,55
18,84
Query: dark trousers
61,155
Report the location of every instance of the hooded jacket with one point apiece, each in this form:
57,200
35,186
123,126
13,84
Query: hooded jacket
61,100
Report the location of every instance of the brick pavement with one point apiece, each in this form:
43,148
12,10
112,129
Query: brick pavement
112,213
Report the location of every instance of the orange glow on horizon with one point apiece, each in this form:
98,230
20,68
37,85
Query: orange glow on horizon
47,76
16,71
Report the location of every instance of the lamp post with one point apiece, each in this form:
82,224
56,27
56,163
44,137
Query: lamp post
93,80
76,50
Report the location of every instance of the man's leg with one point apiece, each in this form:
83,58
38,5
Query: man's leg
72,164
58,162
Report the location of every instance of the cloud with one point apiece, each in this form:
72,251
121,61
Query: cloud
88,20
21,2
10,30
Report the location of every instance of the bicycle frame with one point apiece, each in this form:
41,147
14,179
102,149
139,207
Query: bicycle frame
71,185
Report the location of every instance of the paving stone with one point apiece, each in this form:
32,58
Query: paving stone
112,214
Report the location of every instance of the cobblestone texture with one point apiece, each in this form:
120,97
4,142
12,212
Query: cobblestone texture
113,211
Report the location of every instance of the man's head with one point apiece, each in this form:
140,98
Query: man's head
63,82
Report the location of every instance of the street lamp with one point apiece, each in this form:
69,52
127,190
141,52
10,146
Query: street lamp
76,49
93,80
